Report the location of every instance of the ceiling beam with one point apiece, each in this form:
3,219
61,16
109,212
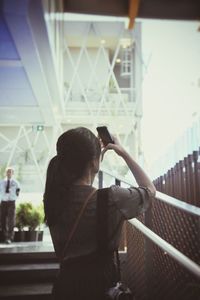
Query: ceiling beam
20,21
20,115
10,63
155,9
171,9
133,12
98,7
41,38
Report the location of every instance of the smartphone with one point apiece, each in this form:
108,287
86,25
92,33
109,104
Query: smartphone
104,135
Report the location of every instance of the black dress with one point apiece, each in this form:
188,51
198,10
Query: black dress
84,274
85,278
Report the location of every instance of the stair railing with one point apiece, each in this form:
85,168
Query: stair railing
177,255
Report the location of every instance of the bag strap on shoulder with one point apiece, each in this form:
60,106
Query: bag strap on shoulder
102,226
76,223
102,220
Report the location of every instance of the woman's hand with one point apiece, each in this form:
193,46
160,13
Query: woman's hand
117,147
139,174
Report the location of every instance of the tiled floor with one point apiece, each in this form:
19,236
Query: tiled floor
31,247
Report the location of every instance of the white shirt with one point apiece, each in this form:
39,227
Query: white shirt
11,196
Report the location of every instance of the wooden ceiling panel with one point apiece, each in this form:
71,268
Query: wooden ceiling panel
98,7
155,9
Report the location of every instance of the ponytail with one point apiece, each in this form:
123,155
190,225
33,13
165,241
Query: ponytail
75,149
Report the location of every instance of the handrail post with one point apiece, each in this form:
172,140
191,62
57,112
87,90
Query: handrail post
148,248
191,178
161,184
177,187
100,177
187,175
117,182
196,177
172,180
183,181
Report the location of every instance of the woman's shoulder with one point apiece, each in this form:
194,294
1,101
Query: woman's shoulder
131,201
115,192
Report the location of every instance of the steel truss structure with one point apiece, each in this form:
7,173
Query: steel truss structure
98,67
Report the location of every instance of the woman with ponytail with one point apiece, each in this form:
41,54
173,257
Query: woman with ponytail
84,272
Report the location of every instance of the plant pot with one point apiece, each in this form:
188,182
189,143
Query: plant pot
19,236
31,236
40,235
1,237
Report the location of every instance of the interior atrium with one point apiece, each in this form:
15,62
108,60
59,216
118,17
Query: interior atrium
74,63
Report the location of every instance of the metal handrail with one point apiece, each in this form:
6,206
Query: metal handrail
178,203
168,248
118,177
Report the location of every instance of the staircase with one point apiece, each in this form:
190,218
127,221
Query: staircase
27,274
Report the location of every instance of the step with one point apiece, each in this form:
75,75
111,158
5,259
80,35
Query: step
28,273
29,257
26,291
27,252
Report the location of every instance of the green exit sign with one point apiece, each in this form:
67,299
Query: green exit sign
40,127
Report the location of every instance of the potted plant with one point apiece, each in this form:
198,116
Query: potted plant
32,221
40,209
31,218
22,211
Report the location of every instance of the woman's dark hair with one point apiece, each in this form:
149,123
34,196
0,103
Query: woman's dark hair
76,148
